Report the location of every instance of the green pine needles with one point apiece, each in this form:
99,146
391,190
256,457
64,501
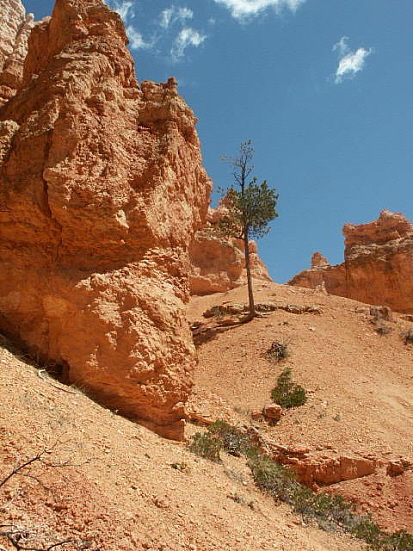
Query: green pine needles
250,208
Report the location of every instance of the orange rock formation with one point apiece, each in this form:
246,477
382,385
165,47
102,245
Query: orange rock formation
218,262
378,266
101,190
15,29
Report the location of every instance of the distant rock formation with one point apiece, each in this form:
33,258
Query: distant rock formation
378,265
101,190
318,260
15,28
218,262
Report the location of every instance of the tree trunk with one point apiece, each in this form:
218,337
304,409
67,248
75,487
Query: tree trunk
251,303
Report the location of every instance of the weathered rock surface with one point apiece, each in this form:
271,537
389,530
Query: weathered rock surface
15,28
101,190
331,470
272,413
378,265
218,262
318,260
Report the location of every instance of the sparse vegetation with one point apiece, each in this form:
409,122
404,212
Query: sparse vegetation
206,445
31,538
216,311
233,440
221,436
274,478
236,498
398,541
407,336
332,513
382,329
278,351
288,394
181,466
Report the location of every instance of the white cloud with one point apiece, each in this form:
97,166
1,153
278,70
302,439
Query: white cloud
173,15
242,9
166,17
136,40
342,47
350,62
187,37
123,7
185,13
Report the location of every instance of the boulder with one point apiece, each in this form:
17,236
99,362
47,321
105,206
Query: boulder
272,413
101,191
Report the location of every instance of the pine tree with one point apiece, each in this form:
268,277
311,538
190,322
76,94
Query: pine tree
250,208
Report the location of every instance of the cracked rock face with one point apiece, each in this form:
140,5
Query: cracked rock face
378,265
15,28
101,190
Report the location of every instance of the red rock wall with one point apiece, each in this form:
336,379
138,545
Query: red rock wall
101,190
378,266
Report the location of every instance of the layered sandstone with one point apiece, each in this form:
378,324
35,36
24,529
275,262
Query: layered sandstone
101,190
218,262
378,264
15,28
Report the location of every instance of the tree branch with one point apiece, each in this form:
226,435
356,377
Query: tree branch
20,538
16,469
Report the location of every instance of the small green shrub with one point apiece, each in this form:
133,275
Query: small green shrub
206,445
330,512
233,440
275,479
382,329
288,394
365,529
399,541
282,485
407,336
278,351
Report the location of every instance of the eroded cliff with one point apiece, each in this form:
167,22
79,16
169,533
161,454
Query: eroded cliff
101,190
15,28
378,264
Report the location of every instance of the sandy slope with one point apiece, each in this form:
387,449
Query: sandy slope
127,496
360,385
128,489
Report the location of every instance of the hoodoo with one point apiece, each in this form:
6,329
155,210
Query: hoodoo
101,191
378,264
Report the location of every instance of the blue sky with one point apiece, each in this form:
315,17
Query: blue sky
323,88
